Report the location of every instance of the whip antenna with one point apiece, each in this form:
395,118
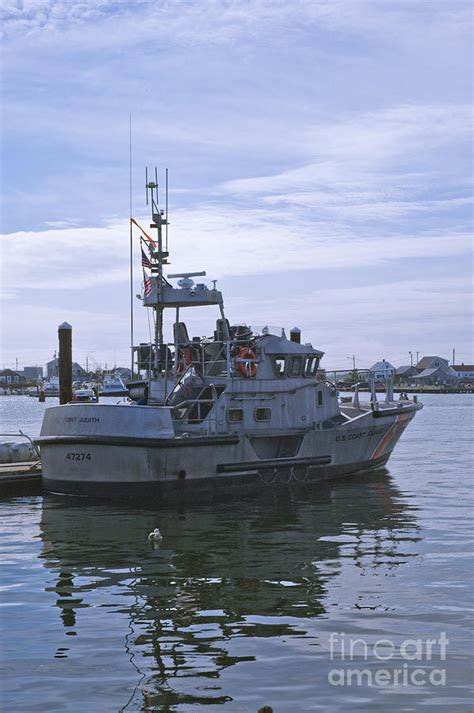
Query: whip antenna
131,242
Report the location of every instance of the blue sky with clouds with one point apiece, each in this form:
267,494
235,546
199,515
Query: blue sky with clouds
320,157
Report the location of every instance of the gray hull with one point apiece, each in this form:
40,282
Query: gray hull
115,451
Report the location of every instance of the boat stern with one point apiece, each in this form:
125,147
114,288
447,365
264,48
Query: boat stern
86,445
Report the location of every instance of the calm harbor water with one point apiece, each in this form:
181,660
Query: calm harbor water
247,603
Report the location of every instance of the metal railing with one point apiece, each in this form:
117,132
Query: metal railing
198,403
33,445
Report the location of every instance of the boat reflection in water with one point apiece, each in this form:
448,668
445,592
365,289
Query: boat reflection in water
228,582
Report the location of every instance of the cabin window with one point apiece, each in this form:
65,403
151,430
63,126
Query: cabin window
311,364
279,365
295,366
235,415
320,398
263,414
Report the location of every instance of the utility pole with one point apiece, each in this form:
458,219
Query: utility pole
354,373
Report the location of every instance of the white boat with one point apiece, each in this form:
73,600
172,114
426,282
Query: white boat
84,393
240,409
112,385
50,387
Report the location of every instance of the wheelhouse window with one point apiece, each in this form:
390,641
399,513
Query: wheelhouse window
295,366
235,415
311,364
279,365
263,414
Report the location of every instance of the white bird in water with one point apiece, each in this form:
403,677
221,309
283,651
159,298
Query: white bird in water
155,536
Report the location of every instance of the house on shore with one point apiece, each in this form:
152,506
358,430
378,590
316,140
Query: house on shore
434,371
382,371
464,372
7,376
404,375
52,369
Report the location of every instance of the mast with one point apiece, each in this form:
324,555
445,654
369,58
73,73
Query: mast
159,255
158,293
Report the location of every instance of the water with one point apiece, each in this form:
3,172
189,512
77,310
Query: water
238,606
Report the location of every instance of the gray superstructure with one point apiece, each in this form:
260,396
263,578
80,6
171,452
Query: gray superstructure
240,408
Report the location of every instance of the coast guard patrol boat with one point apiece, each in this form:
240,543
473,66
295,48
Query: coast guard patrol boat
240,408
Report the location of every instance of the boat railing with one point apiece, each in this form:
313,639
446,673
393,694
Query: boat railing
212,357
199,404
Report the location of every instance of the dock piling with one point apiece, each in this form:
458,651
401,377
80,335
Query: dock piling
65,362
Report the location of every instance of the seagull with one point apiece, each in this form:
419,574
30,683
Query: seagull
155,536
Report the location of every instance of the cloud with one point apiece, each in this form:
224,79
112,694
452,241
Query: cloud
376,321
306,141
224,240
367,147
220,23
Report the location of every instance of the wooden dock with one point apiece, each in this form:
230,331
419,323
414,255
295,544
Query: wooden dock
13,475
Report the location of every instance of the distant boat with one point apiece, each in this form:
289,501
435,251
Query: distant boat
84,393
113,385
49,387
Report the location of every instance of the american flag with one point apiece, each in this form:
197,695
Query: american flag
147,285
145,259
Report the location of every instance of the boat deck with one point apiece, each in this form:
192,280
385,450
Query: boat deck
380,407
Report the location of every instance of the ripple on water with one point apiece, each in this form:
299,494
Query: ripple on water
237,606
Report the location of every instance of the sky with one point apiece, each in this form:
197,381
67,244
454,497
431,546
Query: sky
320,168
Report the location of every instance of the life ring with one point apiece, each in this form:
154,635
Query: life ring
249,368
185,359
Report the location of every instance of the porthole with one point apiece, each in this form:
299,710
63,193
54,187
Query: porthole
263,414
235,415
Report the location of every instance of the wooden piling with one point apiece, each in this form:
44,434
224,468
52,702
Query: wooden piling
65,362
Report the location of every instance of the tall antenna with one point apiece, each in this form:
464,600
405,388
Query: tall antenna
131,245
157,219
166,206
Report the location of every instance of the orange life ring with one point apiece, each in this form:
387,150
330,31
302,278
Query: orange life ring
185,359
247,369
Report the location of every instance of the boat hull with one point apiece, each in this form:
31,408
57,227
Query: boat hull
206,488
113,455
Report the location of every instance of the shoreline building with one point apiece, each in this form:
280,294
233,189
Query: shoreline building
52,369
404,375
8,376
382,371
464,372
434,371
